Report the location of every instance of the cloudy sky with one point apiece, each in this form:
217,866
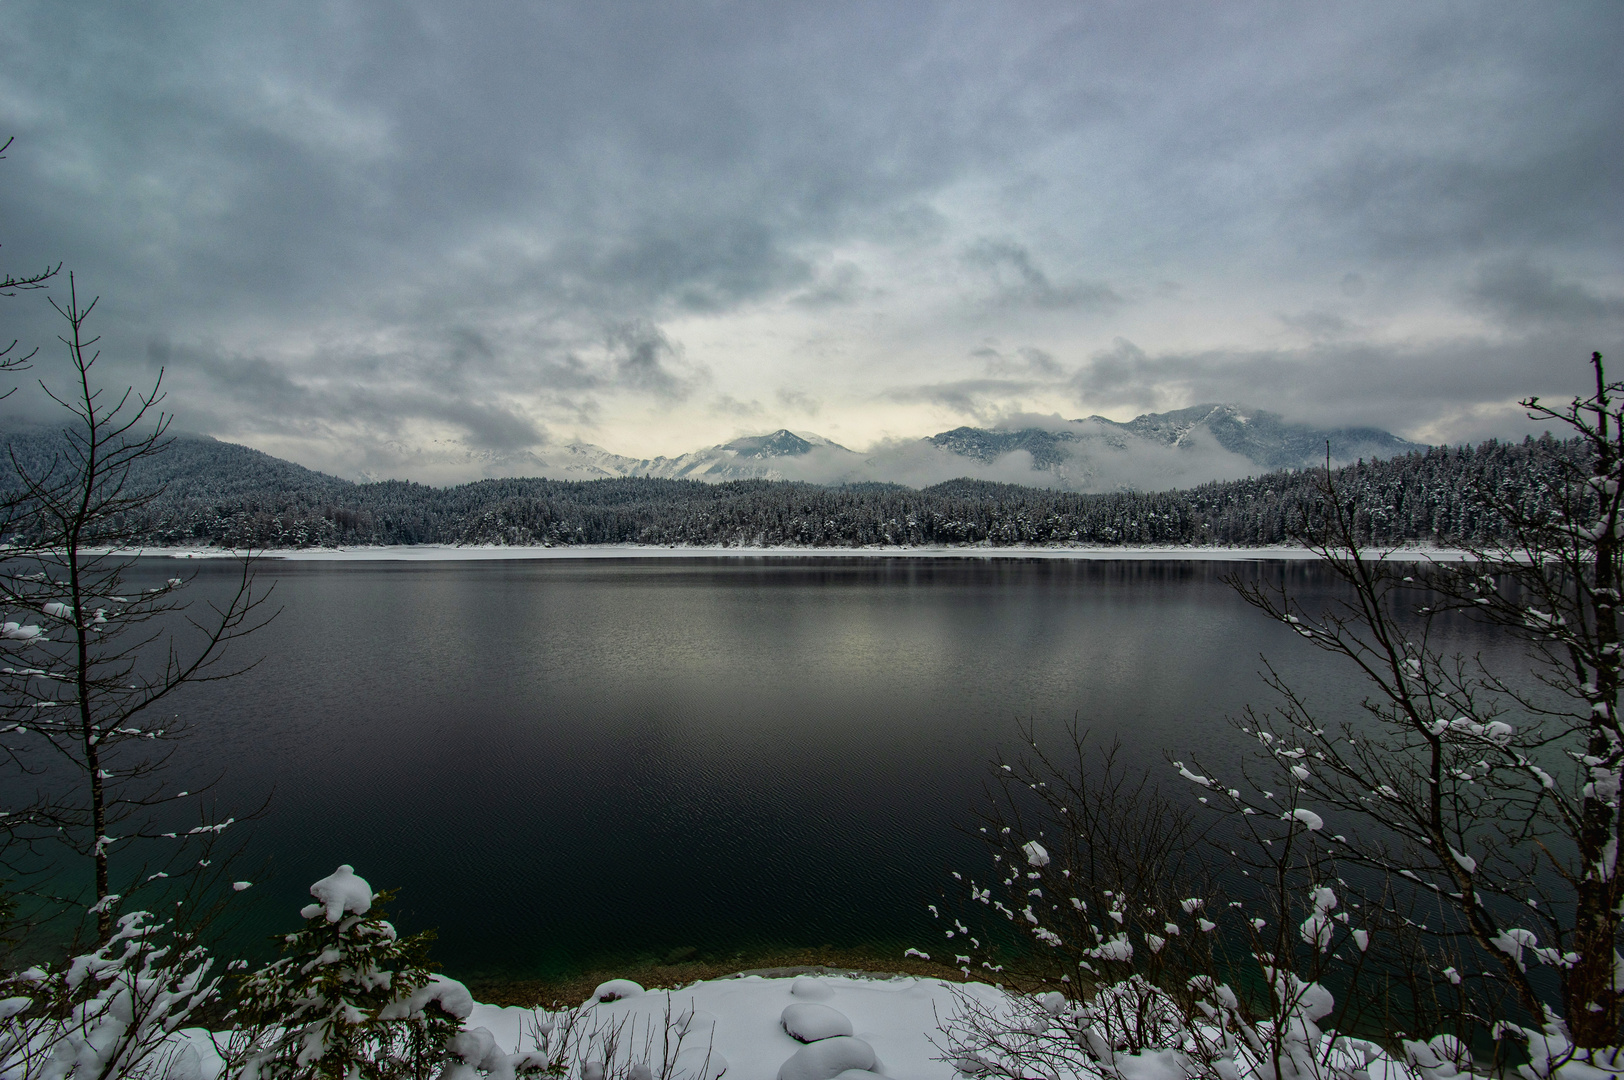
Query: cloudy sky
362,235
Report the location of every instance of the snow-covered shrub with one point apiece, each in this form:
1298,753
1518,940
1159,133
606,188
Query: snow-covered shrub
1091,876
1552,1055
108,1013
349,999
1129,961
588,1043
1132,1029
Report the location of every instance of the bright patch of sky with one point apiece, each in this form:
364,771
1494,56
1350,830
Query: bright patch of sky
355,236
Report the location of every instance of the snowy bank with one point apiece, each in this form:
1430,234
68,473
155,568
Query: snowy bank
740,1022
738,1026
327,1008
471,553
838,1027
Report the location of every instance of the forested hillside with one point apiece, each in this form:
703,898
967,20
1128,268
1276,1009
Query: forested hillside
217,493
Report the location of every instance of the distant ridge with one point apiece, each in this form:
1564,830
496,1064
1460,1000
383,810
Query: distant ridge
216,493
1155,451
192,466
1150,452
1263,438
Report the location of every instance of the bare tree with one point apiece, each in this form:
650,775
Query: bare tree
1485,796
1078,840
1129,928
86,654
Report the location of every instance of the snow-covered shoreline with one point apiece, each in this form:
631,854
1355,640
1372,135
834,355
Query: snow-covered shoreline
740,1022
478,553
735,1026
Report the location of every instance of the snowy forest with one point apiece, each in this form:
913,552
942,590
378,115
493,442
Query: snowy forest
213,493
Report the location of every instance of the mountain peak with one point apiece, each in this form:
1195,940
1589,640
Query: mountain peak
1265,438
780,443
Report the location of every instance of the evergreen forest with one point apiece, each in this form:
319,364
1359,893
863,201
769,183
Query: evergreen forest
214,493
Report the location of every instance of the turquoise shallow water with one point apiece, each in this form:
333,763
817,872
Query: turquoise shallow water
564,765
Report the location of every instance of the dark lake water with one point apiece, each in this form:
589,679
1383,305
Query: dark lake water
565,764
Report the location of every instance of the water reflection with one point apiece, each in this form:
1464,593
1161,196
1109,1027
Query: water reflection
561,763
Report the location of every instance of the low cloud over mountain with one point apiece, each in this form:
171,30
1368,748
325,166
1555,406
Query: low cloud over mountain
1154,451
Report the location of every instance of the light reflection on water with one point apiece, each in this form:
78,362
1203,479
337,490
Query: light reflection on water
562,764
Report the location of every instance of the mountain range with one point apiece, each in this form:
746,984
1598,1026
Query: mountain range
1156,451
210,493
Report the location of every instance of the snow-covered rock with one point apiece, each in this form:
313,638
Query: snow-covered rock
808,1021
739,1020
615,989
828,1058
697,1022
810,989
698,1063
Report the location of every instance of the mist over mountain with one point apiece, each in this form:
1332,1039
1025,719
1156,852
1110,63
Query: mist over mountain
1166,450
1156,451
214,493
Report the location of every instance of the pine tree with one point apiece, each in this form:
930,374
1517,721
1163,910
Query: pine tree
349,999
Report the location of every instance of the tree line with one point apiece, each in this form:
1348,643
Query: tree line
211,493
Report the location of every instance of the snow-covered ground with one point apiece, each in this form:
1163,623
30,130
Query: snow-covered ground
741,1023
454,553
739,1027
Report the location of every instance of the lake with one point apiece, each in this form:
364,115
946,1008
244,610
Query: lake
565,765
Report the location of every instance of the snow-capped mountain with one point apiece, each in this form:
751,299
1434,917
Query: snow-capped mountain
453,463
1155,451
1077,449
755,457
1264,437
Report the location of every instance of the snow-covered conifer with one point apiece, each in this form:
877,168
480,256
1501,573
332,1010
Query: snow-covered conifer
349,999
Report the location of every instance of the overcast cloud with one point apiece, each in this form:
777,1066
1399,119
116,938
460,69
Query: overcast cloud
363,235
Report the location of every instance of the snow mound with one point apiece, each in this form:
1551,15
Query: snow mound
698,1064
615,989
698,1022
828,1058
739,1021
339,892
811,989
809,1022
1153,1065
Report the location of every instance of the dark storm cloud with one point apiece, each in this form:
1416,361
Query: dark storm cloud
215,382
984,400
1413,389
1518,291
488,427
659,156
1016,279
389,213
1122,375
1453,389
645,359
253,377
